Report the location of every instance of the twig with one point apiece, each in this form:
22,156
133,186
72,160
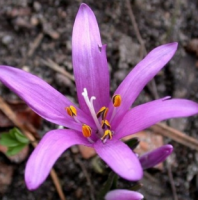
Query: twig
87,177
135,26
170,175
57,68
175,135
35,44
57,184
150,177
152,85
5,108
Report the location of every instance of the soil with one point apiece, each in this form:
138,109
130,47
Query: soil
51,21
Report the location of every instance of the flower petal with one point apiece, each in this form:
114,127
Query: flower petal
120,158
141,74
89,59
52,145
40,96
122,194
147,114
152,158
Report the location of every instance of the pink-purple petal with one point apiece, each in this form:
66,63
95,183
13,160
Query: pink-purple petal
89,59
120,158
122,194
41,97
141,74
148,114
52,145
152,158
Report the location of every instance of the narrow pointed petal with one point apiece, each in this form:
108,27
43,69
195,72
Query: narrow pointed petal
141,74
52,145
150,159
120,158
89,59
40,96
148,114
122,194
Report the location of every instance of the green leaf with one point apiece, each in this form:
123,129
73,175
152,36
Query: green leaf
98,165
14,150
115,182
7,140
112,179
14,140
19,136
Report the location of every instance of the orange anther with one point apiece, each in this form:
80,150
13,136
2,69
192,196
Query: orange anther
71,111
86,130
102,112
107,133
106,124
116,100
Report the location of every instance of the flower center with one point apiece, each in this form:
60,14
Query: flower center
89,103
104,131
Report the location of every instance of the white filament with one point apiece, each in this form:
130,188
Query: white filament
113,114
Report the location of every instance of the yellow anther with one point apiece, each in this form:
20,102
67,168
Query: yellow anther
71,111
105,124
116,100
107,133
102,112
86,130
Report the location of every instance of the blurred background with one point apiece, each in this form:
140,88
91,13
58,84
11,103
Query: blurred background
36,36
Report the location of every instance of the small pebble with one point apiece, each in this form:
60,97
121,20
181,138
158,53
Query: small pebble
37,6
7,39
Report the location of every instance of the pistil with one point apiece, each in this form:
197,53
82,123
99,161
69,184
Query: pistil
89,103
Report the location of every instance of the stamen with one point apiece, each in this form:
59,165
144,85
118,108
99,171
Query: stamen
92,110
103,111
71,111
107,135
105,124
116,100
86,130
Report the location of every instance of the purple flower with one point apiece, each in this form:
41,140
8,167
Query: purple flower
100,122
156,156
121,194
